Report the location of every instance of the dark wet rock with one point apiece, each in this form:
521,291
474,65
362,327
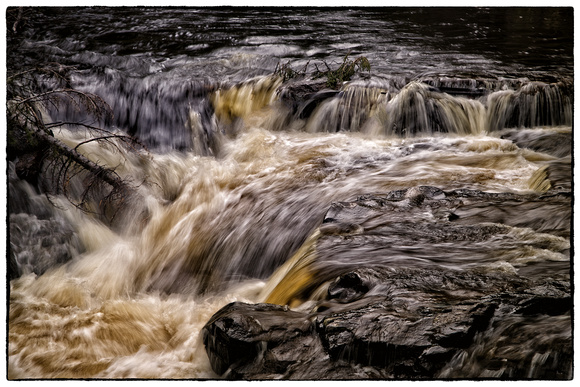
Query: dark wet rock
330,227
554,143
442,229
26,152
396,305
547,213
40,244
381,335
307,107
552,299
265,341
40,238
348,287
28,167
234,339
19,142
302,97
313,103
452,228
409,329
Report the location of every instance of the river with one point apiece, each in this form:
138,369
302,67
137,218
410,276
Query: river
239,172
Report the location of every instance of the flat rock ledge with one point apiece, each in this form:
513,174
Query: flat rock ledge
403,329
380,317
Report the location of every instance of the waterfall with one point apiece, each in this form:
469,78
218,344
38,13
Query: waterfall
427,199
534,104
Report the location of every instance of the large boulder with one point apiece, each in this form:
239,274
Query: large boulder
413,324
265,341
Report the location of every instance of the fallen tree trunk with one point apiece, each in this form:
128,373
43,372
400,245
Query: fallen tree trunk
105,174
33,97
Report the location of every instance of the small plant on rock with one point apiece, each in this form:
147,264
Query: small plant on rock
334,78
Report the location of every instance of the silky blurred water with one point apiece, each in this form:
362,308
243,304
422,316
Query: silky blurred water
233,184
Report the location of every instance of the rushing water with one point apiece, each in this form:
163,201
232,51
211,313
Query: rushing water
235,182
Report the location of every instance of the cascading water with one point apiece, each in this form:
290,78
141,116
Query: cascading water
243,168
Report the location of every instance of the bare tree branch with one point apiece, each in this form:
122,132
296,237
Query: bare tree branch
28,107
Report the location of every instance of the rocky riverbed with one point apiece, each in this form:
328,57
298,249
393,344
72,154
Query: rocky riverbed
372,315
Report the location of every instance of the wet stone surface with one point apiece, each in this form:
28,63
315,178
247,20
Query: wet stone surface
405,329
383,318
